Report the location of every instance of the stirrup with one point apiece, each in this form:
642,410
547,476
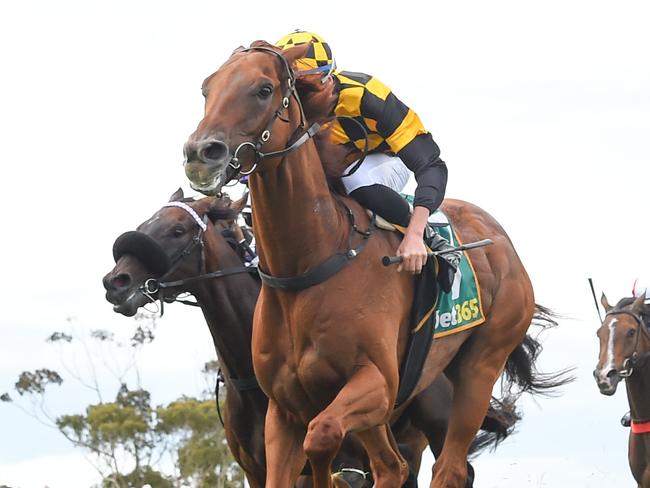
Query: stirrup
626,420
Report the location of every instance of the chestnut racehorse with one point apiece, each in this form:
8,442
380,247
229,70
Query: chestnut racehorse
204,263
625,354
331,324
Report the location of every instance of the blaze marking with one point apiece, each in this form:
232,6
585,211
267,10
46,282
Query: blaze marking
609,365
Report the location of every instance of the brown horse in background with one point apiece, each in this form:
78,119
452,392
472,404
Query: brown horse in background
170,254
328,355
625,354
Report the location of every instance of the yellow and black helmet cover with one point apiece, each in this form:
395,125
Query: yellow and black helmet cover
319,57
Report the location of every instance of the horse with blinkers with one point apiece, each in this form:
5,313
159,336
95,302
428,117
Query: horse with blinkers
189,246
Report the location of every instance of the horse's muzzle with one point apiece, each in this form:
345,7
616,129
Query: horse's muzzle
206,164
209,151
607,381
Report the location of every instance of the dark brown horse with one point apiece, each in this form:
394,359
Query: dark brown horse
328,355
206,264
625,354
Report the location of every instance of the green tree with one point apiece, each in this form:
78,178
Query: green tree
129,441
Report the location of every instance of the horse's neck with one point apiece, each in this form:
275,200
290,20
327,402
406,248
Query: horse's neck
297,221
227,304
638,386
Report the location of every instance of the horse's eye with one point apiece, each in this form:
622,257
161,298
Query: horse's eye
265,91
631,332
178,231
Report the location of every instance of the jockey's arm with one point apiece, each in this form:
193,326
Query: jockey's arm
406,136
403,132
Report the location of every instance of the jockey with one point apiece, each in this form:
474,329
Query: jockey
398,144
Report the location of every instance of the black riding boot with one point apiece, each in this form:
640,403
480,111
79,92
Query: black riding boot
450,261
391,206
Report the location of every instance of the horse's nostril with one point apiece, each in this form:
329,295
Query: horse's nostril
611,373
213,151
189,151
121,281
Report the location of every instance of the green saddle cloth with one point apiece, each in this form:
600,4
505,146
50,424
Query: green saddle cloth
461,308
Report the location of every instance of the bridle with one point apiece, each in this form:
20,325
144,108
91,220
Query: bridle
256,146
336,262
153,288
633,361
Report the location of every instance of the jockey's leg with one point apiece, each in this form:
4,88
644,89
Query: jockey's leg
363,404
375,185
285,458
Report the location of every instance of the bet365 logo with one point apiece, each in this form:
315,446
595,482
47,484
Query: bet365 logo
460,313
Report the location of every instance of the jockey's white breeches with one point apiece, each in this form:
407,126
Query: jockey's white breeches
378,168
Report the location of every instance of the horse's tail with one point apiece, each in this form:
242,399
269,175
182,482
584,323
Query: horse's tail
521,376
521,371
498,424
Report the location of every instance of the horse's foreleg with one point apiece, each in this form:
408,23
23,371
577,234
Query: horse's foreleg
363,403
639,458
477,372
285,458
388,469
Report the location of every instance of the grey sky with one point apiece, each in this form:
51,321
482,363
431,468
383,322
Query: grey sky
541,110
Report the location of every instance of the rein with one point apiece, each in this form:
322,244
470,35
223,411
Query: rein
289,93
153,286
338,261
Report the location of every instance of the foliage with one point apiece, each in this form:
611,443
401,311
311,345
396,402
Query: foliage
131,442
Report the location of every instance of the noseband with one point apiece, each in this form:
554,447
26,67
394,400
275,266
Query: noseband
634,361
290,92
153,288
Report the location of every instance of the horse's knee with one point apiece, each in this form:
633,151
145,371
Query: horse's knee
323,439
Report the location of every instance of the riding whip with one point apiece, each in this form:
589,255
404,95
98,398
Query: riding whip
593,293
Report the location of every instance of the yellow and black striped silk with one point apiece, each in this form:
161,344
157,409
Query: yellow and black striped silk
390,124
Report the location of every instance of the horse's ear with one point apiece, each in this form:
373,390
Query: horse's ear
294,53
639,304
606,305
177,196
261,43
236,50
239,205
